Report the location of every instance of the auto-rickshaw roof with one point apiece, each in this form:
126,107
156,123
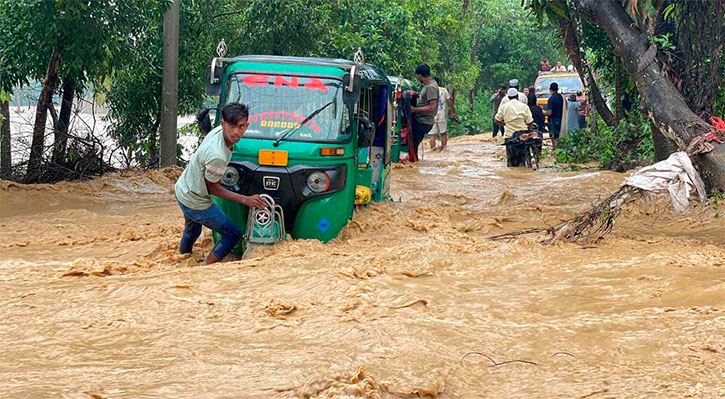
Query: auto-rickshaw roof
404,83
338,67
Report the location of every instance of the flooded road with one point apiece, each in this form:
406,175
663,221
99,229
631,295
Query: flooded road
96,303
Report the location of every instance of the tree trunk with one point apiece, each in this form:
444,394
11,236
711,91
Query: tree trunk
60,142
153,160
572,48
664,147
666,107
618,91
170,87
474,53
5,154
41,114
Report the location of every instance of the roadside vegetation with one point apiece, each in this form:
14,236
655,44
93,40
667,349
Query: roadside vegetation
472,45
626,146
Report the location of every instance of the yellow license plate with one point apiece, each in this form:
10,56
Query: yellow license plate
274,158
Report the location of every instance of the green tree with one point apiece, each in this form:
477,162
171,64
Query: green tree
631,37
396,35
71,40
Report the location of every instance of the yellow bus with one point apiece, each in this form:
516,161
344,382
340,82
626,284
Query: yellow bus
569,82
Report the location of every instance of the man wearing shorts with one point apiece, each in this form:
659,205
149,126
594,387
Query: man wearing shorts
440,124
555,111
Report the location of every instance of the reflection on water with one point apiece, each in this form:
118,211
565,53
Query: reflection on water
97,304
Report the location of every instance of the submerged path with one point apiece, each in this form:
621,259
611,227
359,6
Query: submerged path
96,303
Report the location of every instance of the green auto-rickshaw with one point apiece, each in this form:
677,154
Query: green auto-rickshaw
318,142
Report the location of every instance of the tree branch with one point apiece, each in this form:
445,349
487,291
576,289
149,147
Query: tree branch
224,14
573,49
666,106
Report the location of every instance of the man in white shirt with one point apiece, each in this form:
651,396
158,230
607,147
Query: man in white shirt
440,125
516,117
558,67
514,84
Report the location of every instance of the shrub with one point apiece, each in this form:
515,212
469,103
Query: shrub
472,121
618,148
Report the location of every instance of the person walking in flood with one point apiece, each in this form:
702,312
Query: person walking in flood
440,125
425,110
514,84
200,180
495,104
555,111
572,120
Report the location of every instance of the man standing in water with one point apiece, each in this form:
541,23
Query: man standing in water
200,180
426,107
555,112
440,125
514,84
495,103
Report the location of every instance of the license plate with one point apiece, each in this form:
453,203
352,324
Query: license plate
274,158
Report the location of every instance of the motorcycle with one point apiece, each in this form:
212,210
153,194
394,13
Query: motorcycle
525,148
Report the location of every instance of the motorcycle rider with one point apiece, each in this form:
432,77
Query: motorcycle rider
516,116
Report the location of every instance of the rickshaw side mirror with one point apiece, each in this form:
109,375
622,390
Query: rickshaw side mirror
214,79
351,97
203,120
365,133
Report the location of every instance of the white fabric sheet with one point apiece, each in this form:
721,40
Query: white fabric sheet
675,175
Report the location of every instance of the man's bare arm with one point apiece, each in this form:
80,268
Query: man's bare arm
218,190
452,107
431,107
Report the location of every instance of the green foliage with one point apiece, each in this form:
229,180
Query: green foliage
133,92
512,44
664,41
89,35
622,148
395,35
25,50
117,46
719,100
280,27
715,200
473,120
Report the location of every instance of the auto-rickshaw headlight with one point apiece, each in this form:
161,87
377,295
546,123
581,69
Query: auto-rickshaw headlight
318,182
230,177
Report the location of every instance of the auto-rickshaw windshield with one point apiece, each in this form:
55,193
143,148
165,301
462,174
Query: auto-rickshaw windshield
280,103
567,84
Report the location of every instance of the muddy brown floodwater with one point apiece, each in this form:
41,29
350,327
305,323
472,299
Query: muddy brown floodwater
95,302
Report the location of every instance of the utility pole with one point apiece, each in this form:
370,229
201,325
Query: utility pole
170,86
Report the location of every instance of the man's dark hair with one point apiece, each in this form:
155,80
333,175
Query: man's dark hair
532,89
423,70
234,112
437,79
502,86
554,86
